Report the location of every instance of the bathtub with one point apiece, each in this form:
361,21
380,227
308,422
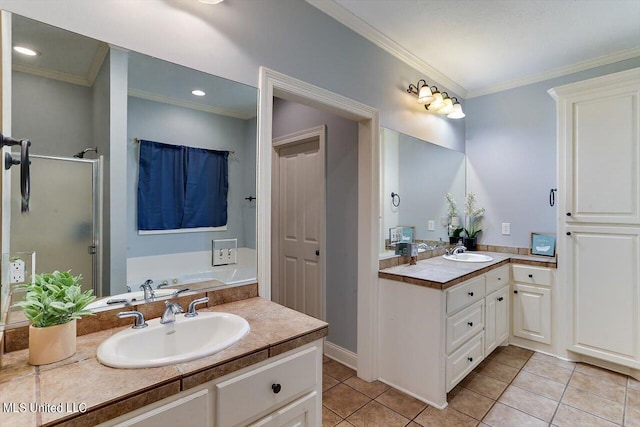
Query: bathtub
190,267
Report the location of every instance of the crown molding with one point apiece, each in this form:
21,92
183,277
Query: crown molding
52,74
96,62
351,21
136,93
558,72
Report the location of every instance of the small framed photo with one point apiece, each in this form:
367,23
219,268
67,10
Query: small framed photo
543,244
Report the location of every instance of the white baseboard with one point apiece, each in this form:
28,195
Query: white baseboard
341,355
405,391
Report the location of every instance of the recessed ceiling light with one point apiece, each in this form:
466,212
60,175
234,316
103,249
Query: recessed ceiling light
211,1
26,51
198,92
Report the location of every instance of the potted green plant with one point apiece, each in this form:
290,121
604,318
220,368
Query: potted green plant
473,215
53,302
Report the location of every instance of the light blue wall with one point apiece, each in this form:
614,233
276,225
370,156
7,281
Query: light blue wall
511,156
54,115
341,212
234,39
178,125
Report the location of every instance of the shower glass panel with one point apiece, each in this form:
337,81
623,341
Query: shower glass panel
61,227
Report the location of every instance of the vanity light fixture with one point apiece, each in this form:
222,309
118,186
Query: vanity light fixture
436,102
26,51
198,92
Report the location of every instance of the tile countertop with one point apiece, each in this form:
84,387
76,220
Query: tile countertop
439,273
108,392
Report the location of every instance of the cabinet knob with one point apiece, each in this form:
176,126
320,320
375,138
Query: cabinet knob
515,292
500,299
470,359
568,233
568,213
276,388
499,278
531,276
470,324
317,252
470,294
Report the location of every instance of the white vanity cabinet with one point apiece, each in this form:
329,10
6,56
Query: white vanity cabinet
496,330
430,339
282,391
599,215
532,303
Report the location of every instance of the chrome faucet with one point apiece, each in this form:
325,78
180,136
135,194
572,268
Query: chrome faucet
149,294
458,249
191,311
169,315
139,322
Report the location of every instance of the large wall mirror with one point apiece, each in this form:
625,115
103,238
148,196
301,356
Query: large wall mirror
69,98
419,174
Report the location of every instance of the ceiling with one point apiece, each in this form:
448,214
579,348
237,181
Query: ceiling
76,59
476,47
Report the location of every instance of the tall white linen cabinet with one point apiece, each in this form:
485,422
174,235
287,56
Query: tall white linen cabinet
599,216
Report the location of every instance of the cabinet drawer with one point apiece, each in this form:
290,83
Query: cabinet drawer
463,360
465,324
533,275
497,278
464,294
252,393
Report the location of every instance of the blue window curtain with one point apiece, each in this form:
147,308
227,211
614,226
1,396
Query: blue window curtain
181,187
207,185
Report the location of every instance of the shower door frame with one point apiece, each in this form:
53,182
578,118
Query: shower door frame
97,204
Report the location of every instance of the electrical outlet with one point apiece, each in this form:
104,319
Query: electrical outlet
506,228
431,225
17,271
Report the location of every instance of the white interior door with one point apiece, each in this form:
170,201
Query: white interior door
299,218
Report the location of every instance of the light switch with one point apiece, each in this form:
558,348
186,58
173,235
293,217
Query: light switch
431,225
506,228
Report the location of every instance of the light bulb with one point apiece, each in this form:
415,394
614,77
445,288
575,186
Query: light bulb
457,112
198,92
425,96
25,51
437,103
447,106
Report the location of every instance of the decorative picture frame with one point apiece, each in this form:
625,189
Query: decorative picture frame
543,244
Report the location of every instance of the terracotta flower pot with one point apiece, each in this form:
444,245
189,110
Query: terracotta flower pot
51,344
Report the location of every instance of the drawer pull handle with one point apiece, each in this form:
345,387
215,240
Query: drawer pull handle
470,324
531,276
500,299
470,294
470,359
276,388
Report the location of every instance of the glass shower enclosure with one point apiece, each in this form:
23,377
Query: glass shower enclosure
63,226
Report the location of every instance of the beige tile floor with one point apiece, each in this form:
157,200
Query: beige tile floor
513,387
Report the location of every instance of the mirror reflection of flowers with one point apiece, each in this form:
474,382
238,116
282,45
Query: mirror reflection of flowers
473,215
452,212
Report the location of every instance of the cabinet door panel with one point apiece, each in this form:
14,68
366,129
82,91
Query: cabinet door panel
606,292
605,143
532,313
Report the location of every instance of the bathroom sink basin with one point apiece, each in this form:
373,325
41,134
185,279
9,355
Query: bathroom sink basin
186,339
468,257
128,298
